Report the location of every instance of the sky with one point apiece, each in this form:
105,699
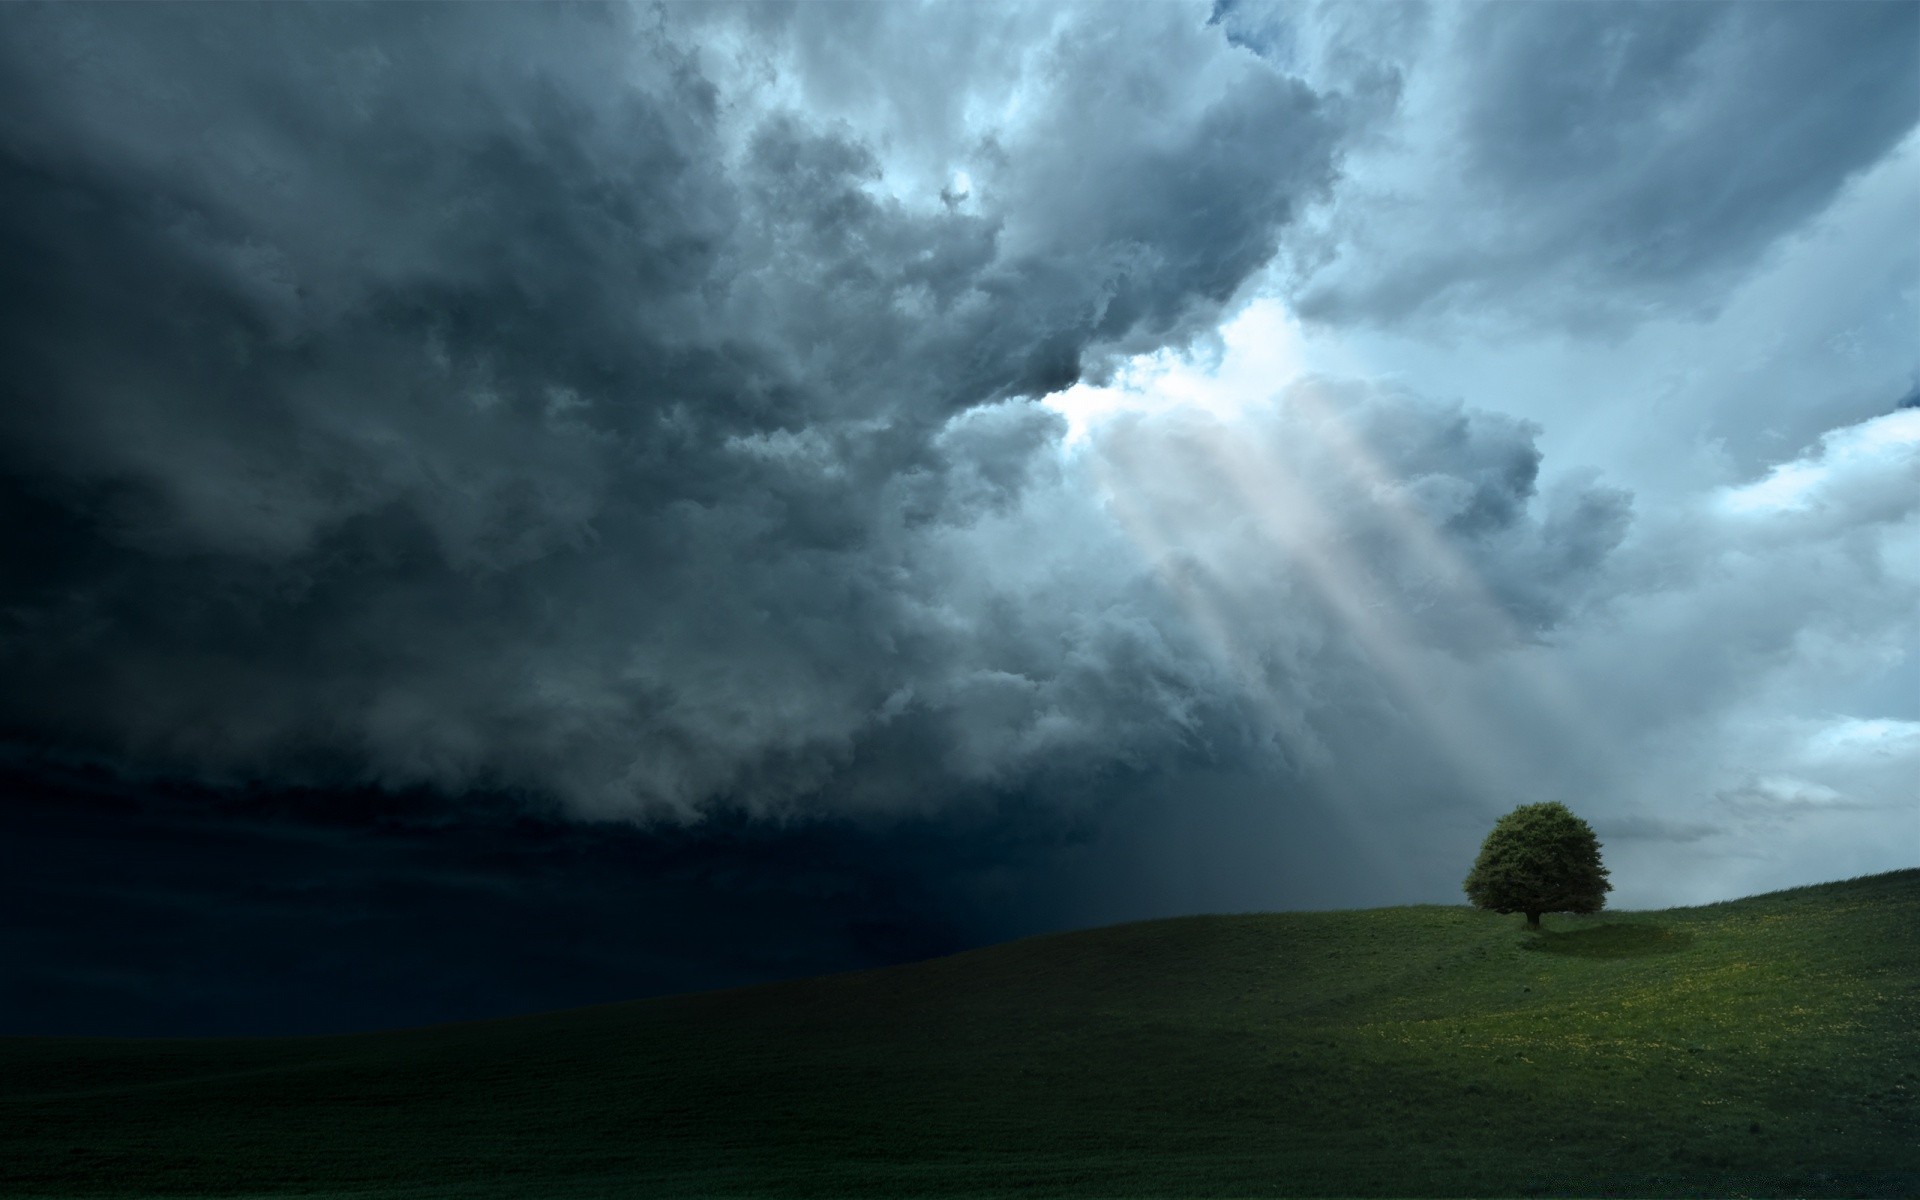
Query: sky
514,506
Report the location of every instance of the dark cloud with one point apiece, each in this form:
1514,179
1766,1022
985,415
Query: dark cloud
1600,160
536,398
623,429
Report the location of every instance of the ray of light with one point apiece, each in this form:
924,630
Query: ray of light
1548,689
1295,528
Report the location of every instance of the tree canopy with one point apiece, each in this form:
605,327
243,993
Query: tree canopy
1539,858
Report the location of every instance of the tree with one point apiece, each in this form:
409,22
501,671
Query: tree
1540,858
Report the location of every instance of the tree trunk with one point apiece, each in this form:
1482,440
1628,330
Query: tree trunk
1533,920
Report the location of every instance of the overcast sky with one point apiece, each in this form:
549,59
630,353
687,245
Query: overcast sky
506,506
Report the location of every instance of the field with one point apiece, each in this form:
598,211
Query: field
1767,1046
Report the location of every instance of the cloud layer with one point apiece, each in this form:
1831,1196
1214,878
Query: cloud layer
644,409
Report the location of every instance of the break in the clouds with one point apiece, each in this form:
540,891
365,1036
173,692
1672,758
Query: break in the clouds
1227,419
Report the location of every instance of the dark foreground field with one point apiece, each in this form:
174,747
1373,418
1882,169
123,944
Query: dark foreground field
1769,1046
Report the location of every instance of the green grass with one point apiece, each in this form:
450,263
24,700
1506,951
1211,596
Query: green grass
1767,1046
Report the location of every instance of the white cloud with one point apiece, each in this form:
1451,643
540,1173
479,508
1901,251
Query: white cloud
1873,740
1872,468
1775,794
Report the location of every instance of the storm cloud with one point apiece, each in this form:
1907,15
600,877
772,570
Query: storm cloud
626,441
528,398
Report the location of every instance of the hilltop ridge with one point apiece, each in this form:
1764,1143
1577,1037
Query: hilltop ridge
1762,1046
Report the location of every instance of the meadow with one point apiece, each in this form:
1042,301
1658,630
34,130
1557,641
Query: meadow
1768,1046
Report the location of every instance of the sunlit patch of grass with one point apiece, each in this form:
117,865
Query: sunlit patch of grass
1761,1047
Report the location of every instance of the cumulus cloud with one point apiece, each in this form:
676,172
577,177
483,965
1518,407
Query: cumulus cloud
574,400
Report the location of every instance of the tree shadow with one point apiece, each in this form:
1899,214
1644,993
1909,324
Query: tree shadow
1631,939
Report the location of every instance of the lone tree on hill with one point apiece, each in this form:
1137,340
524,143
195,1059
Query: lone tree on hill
1540,858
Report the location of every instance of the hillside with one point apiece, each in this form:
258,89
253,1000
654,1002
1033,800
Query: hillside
1764,1046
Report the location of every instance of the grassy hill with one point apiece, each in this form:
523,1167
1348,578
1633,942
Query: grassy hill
1765,1046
